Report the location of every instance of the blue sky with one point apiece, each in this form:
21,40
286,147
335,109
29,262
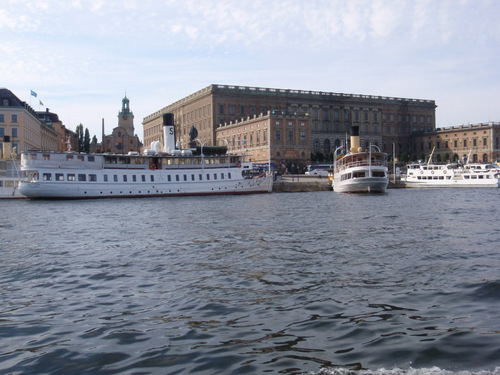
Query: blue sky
81,57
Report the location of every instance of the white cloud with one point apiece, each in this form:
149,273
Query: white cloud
161,51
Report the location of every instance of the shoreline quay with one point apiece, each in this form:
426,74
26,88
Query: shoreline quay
301,183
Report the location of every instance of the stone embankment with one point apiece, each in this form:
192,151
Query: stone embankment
295,183
301,183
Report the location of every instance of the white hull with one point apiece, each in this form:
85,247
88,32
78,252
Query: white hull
69,190
102,176
453,176
452,184
362,185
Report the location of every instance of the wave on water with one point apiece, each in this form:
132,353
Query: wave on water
398,371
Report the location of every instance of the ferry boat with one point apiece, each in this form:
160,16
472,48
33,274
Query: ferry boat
10,174
173,172
420,175
360,171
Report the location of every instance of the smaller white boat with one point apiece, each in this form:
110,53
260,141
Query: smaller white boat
428,175
420,175
360,171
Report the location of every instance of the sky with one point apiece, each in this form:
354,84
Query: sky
82,57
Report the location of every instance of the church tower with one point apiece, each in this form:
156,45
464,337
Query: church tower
126,117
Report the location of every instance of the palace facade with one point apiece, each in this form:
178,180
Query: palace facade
317,122
480,142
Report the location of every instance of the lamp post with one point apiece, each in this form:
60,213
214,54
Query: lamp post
202,156
227,152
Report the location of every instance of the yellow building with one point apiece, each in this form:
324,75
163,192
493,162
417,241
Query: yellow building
20,122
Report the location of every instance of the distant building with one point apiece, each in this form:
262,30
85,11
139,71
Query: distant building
53,131
122,140
19,121
480,141
383,121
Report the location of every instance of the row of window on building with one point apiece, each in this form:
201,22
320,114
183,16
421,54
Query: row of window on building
13,118
356,115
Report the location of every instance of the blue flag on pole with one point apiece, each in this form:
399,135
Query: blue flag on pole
33,93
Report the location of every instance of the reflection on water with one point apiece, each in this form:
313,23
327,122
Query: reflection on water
281,283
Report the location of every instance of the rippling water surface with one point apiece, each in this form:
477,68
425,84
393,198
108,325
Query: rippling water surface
402,283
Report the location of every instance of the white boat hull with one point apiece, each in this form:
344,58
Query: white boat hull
362,185
69,190
453,184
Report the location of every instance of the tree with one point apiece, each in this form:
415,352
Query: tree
94,140
79,134
86,141
403,158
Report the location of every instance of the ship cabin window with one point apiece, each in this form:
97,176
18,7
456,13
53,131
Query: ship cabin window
177,177
215,176
91,158
378,174
105,178
47,176
59,177
192,177
152,178
71,177
208,177
80,158
185,177
69,157
93,177
46,157
169,178
201,177
115,178
143,178
33,156
134,178
122,160
229,175
82,177
222,176
358,174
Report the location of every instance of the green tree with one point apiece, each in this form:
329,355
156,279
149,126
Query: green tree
79,134
86,141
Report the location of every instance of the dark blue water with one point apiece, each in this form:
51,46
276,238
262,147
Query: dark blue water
402,283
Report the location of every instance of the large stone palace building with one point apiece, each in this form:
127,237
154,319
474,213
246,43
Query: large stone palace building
291,126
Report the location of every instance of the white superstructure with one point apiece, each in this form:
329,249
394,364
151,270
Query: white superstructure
360,171
56,175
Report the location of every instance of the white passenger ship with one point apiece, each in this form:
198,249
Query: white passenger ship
57,175
420,175
360,171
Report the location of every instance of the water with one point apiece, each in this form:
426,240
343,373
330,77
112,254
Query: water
318,283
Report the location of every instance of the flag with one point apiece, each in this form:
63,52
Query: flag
41,103
33,93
